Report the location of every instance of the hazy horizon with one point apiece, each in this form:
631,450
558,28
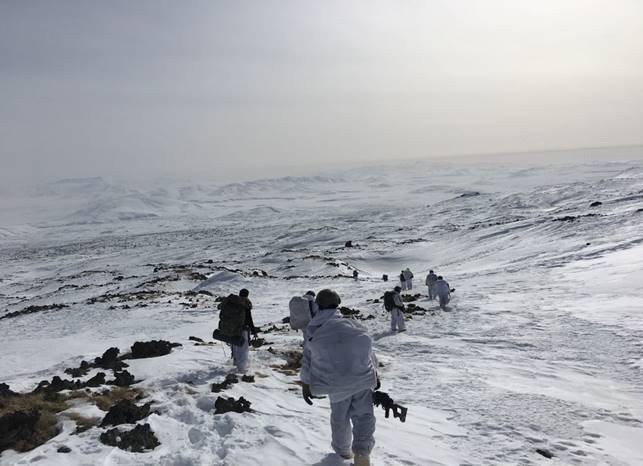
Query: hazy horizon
243,90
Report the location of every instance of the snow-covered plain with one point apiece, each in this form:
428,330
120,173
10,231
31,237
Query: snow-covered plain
541,347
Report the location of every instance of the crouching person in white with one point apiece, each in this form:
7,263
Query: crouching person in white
339,362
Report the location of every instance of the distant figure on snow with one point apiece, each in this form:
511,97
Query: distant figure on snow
431,278
240,352
338,361
406,279
397,313
442,291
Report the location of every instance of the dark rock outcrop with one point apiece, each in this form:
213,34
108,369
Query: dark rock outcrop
125,412
544,452
110,360
139,439
407,298
33,309
96,381
152,349
122,379
226,405
18,429
80,371
229,380
6,392
347,311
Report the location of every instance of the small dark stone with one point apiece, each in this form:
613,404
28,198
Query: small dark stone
544,452
385,277
64,449
197,339
348,244
125,412
264,273
226,405
596,204
285,320
139,439
248,378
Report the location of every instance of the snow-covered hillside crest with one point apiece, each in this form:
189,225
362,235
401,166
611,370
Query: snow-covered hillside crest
540,349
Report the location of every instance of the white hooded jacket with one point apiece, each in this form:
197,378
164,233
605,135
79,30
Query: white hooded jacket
338,360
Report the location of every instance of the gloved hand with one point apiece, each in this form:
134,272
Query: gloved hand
307,395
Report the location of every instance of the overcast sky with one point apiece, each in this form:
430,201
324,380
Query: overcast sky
241,88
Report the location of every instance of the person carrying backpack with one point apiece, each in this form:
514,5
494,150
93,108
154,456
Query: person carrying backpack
338,361
431,278
236,325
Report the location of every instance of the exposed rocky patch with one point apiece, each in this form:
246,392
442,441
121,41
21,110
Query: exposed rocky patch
139,439
572,218
407,298
229,380
348,312
110,360
415,309
544,452
33,309
152,349
6,392
226,405
58,385
257,342
122,379
80,371
125,412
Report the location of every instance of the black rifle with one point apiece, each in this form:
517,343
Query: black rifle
382,399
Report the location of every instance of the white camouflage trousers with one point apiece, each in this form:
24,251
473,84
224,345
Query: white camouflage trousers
240,352
358,410
397,320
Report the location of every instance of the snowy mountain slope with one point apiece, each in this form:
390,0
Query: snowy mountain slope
541,347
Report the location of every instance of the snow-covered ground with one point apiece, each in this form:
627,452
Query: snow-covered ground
542,345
